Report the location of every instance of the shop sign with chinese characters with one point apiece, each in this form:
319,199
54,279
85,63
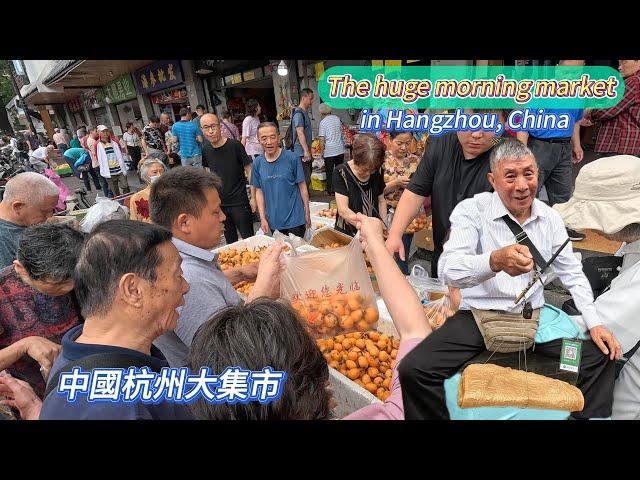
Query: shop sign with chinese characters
157,76
120,90
169,96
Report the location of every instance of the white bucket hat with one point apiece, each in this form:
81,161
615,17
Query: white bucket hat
606,197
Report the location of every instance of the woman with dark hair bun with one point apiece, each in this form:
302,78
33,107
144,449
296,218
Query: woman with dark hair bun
359,184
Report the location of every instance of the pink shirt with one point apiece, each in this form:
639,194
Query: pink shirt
229,130
392,408
250,130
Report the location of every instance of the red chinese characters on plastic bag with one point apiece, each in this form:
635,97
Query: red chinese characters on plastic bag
331,290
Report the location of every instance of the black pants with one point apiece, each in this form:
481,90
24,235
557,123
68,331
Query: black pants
555,169
297,231
423,371
329,164
136,155
308,168
239,217
94,175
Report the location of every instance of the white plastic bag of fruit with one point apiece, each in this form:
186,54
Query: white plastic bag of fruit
331,290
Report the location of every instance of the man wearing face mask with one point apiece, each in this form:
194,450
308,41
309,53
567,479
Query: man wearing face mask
229,160
150,171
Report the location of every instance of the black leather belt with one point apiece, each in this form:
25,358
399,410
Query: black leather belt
552,140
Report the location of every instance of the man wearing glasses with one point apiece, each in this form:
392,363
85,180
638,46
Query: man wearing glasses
619,132
229,160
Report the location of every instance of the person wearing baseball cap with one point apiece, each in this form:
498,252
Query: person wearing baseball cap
607,199
112,166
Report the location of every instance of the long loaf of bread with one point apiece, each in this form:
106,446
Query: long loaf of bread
487,385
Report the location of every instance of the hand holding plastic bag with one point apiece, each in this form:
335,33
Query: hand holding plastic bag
439,301
331,290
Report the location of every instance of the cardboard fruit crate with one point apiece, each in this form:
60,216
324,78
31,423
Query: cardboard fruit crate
327,236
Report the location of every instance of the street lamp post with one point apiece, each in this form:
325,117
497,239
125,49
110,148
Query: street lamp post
20,99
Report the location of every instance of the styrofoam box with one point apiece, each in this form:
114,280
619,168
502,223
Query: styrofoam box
249,243
315,207
348,394
327,222
260,241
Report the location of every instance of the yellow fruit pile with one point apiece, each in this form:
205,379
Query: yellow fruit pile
328,213
367,358
244,287
232,257
419,223
337,313
329,246
437,314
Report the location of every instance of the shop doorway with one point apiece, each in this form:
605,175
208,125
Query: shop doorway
261,90
130,112
171,101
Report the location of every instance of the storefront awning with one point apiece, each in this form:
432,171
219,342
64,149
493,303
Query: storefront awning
92,73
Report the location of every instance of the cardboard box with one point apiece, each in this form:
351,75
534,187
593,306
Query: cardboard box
327,236
424,239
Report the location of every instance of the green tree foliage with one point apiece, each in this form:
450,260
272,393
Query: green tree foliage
7,91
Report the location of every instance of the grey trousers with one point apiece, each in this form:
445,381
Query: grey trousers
626,392
555,169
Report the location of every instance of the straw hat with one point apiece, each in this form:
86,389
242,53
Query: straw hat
606,197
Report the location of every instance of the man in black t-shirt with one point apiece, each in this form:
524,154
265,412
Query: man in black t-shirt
454,168
228,158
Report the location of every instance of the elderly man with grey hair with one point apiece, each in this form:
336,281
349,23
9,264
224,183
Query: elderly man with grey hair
483,258
607,199
29,199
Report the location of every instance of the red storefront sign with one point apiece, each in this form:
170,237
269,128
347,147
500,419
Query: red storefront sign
169,95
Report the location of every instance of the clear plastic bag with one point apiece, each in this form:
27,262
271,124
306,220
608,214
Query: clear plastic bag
102,211
331,290
438,311
292,240
433,294
427,288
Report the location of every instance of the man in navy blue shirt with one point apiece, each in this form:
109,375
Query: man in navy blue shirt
281,191
129,284
556,151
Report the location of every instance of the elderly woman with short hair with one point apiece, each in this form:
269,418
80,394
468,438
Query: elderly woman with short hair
150,171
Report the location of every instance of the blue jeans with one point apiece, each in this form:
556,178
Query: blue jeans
407,238
195,161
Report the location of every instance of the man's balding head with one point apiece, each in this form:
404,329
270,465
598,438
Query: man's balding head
29,199
210,126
